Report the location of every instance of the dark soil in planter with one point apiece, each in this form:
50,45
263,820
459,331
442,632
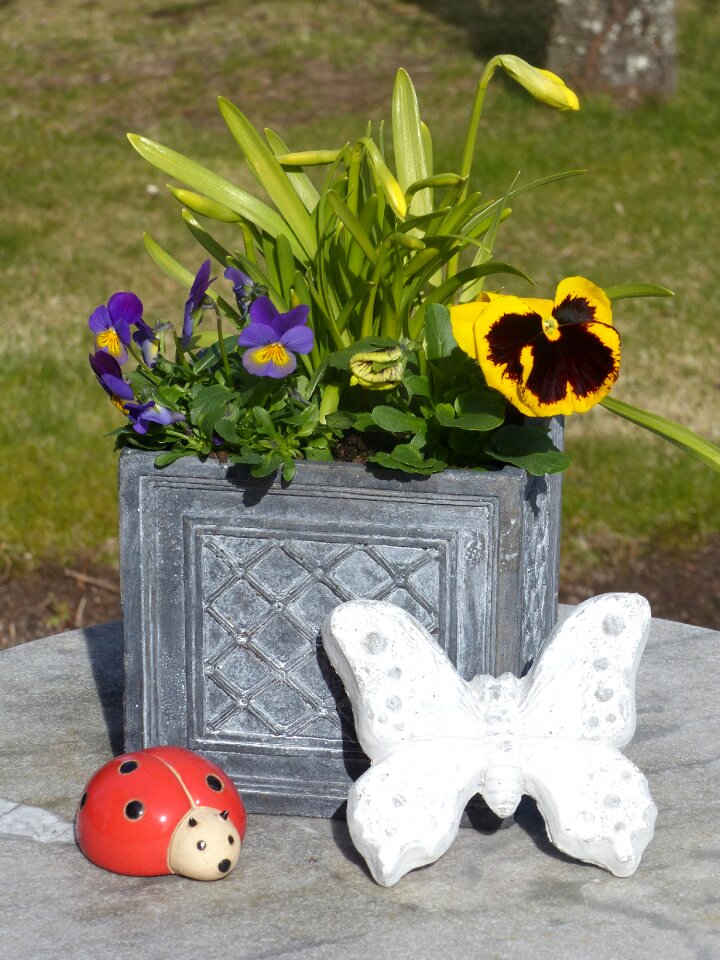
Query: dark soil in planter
53,598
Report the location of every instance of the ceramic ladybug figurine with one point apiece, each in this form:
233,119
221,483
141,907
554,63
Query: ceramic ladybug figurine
159,811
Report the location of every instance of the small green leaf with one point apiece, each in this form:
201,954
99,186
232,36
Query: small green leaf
318,453
395,421
417,386
439,339
288,470
227,430
408,459
164,459
264,422
269,464
209,405
529,447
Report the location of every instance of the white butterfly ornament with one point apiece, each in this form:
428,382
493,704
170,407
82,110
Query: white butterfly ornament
436,740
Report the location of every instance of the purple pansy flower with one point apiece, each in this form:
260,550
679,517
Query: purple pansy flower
109,375
142,415
111,323
197,294
272,337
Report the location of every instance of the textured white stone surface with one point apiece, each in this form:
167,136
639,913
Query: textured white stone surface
21,820
436,740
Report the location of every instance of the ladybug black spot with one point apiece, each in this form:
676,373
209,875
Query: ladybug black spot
192,822
201,844
225,814
231,840
213,782
224,866
128,766
83,800
134,810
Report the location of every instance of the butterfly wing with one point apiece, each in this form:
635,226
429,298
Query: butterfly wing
576,707
405,811
421,725
582,685
595,802
402,686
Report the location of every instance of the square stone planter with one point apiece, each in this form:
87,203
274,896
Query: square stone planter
226,581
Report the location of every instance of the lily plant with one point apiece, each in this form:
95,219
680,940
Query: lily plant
356,302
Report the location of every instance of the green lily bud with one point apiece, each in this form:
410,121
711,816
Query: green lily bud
308,158
377,369
206,208
406,240
543,84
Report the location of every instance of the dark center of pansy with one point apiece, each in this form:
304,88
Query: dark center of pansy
508,337
573,310
578,359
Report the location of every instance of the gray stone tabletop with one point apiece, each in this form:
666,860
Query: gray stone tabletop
300,890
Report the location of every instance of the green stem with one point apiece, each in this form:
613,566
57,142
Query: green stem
248,242
470,142
221,344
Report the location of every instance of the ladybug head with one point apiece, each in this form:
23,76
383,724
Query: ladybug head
205,845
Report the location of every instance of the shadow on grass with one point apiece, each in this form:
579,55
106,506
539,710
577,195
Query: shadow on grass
521,27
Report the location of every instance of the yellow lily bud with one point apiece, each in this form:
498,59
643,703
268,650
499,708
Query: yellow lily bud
206,208
392,189
543,84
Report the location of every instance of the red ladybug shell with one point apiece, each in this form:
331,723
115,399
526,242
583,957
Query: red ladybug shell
131,807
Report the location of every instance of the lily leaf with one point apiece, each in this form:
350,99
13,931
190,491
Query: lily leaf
703,450
408,143
270,175
301,183
213,186
184,277
625,290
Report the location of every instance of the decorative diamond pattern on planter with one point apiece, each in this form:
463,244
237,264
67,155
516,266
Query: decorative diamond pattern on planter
226,581
280,593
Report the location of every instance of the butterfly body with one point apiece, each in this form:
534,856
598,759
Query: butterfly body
436,740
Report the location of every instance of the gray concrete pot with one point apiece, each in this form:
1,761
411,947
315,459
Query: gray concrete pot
226,581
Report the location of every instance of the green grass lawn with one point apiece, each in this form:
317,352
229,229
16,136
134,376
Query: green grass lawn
75,77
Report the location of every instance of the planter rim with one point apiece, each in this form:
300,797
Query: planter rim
374,474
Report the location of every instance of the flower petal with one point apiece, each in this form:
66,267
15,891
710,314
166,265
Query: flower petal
257,335
125,308
300,339
296,317
99,319
578,300
263,311
271,360
574,372
237,278
107,370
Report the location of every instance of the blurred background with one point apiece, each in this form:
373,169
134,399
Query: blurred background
76,75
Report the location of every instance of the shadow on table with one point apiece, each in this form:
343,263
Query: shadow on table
105,653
